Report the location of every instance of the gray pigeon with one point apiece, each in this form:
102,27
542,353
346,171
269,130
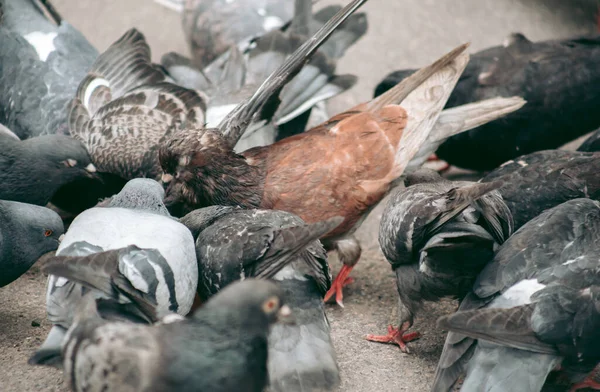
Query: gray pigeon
438,235
211,27
234,76
42,61
33,170
164,267
222,347
534,309
26,233
124,109
234,244
544,179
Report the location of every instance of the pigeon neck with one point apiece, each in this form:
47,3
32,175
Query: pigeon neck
228,180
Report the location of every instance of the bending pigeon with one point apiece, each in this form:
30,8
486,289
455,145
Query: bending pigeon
533,309
222,347
342,168
26,233
33,170
233,244
438,235
557,78
124,109
165,267
233,76
535,182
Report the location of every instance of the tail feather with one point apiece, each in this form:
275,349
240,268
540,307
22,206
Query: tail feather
497,369
292,240
183,71
423,104
101,271
301,356
302,16
346,35
461,119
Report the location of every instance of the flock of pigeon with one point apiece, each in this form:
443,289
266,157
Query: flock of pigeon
198,209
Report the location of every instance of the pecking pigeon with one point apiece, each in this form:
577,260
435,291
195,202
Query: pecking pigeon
438,235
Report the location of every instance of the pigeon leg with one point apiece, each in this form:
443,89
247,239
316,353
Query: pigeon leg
341,280
349,253
592,381
396,336
442,167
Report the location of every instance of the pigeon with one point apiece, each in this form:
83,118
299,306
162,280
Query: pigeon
42,61
533,309
162,264
544,179
26,233
592,143
234,244
33,170
342,168
211,27
438,235
233,76
124,108
557,78
222,347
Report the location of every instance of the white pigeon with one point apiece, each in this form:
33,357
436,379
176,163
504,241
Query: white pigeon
135,216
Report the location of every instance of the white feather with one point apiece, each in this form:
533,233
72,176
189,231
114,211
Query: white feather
43,43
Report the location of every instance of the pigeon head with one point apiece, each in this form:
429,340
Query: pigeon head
32,170
258,303
141,194
28,232
198,220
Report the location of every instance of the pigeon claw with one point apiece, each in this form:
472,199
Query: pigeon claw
396,336
337,287
440,166
592,381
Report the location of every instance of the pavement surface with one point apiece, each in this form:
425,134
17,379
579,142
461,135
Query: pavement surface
402,34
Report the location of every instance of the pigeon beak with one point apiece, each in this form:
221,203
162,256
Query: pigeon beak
285,315
166,178
90,168
62,237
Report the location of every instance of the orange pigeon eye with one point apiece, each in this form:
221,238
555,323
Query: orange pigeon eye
48,233
270,305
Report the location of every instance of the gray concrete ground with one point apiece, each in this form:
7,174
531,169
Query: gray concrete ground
403,33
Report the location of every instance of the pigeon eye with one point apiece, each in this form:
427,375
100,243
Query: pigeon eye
47,233
270,305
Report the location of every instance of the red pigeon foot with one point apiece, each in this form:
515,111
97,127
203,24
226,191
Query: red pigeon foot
591,381
396,336
443,165
341,280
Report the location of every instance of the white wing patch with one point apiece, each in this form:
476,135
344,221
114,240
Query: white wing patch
518,294
43,43
94,84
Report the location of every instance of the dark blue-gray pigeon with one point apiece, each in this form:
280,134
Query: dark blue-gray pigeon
26,233
438,235
534,309
234,244
536,182
222,347
161,263
42,61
